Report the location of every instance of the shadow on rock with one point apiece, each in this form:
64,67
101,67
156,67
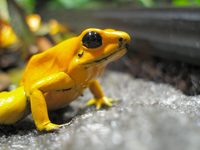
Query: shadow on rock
25,126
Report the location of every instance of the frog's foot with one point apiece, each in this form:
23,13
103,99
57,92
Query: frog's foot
100,102
49,127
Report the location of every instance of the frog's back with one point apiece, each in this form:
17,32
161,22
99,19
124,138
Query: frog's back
51,61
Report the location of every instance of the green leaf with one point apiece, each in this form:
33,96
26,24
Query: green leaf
186,2
27,5
3,10
147,3
18,23
197,2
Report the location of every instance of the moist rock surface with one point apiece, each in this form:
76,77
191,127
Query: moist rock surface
145,116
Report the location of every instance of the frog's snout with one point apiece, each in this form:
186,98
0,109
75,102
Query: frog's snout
124,40
124,43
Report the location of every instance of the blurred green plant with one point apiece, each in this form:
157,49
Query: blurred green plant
186,2
30,5
27,5
75,4
3,10
147,3
18,23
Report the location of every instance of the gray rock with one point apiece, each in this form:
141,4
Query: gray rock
145,116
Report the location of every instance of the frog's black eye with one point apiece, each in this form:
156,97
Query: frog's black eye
92,40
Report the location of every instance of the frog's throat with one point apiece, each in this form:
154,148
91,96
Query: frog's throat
102,59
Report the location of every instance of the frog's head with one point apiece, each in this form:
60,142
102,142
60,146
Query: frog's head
101,46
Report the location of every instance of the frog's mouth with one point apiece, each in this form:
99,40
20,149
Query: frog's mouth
107,57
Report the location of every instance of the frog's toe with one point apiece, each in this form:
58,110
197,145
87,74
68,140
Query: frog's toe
49,127
104,101
91,102
108,101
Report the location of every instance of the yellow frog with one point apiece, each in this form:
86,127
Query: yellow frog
59,75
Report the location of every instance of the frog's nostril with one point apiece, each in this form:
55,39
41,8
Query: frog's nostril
121,39
127,45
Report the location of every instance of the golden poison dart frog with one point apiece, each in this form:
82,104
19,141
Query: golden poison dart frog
57,76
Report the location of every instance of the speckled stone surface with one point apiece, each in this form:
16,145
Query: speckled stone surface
146,116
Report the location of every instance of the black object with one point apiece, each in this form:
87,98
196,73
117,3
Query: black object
92,40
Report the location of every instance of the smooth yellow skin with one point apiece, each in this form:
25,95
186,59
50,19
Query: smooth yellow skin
56,77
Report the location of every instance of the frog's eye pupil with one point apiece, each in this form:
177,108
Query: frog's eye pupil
92,40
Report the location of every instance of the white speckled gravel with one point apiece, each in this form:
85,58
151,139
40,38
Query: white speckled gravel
148,116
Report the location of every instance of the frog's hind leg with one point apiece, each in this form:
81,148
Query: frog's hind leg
13,106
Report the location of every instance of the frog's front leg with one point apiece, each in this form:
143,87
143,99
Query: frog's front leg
99,98
58,81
